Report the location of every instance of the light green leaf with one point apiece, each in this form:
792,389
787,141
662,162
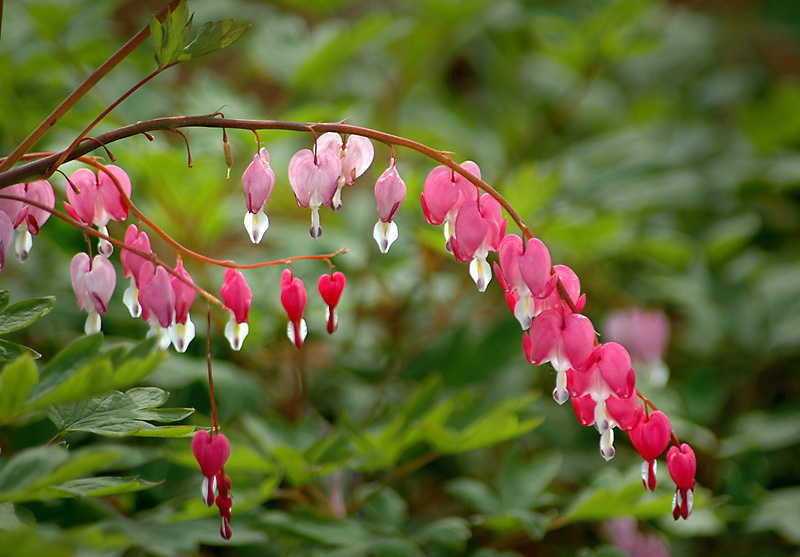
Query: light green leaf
98,487
158,39
16,382
5,296
10,351
476,495
214,36
452,533
67,362
119,414
90,379
28,467
23,313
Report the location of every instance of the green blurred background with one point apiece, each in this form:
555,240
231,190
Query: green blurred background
653,146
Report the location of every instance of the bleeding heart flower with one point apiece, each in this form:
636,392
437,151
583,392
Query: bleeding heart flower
355,153
443,194
650,437
93,282
182,330
682,466
314,179
330,288
211,454
257,183
40,192
293,298
6,237
237,297
157,299
390,192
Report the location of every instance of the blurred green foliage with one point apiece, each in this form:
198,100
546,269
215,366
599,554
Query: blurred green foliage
653,146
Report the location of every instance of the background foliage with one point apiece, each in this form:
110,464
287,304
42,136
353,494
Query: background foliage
653,146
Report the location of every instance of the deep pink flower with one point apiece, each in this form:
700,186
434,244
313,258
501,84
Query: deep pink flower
34,217
479,228
512,296
93,282
650,437
293,298
314,180
616,412
182,330
527,272
563,340
98,200
682,466
390,192
573,287
443,194
237,297
211,454
330,288
257,182
355,155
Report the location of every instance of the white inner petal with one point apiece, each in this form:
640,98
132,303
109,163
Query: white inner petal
93,323
236,332
385,234
256,225
481,272
23,245
131,300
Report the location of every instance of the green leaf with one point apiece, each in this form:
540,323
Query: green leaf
158,38
175,37
476,495
452,533
5,296
120,414
67,362
28,467
16,382
214,36
136,369
779,512
98,487
10,351
90,379
23,313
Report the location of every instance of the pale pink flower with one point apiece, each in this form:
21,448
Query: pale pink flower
479,229
314,179
93,282
355,153
390,192
257,182
443,194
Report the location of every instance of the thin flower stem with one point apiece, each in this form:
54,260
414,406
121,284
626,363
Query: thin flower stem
82,89
212,399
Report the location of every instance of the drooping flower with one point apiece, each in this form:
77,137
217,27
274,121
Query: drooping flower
157,299
572,285
224,502
6,237
650,437
390,192
96,199
479,229
355,153
132,266
257,182
682,466
237,297
34,217
443,194
527,272
314,179
211,454
607,372
563,340
182,330
330,288
293,298
93,282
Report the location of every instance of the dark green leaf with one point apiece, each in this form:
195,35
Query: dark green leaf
119,414
23,313
16,382
28,467
98,487
10,351
452,533
5,296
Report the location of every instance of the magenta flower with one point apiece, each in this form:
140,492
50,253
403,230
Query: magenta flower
237,297
479,229
98,200
443,194
132,265
211,454
527,272
563,340
355,154
682,466
293,298
330,288
182,330
314,179
93,282
34,217
650,437
390,192
257,183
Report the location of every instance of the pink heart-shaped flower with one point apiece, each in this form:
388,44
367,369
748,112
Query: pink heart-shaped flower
211,454
331,287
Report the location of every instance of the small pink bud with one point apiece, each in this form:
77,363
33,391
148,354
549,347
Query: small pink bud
237,297
257,183
293,298
682,466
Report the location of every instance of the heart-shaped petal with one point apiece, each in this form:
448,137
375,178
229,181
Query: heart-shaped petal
331,287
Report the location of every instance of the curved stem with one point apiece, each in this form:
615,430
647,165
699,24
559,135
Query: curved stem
83,88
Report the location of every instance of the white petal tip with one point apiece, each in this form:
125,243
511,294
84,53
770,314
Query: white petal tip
385,234
481,273
93,323
256,225
236,333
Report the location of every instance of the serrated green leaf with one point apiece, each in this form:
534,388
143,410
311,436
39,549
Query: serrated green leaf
5,296
214,36
23,313
120,414
16,382
10,351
